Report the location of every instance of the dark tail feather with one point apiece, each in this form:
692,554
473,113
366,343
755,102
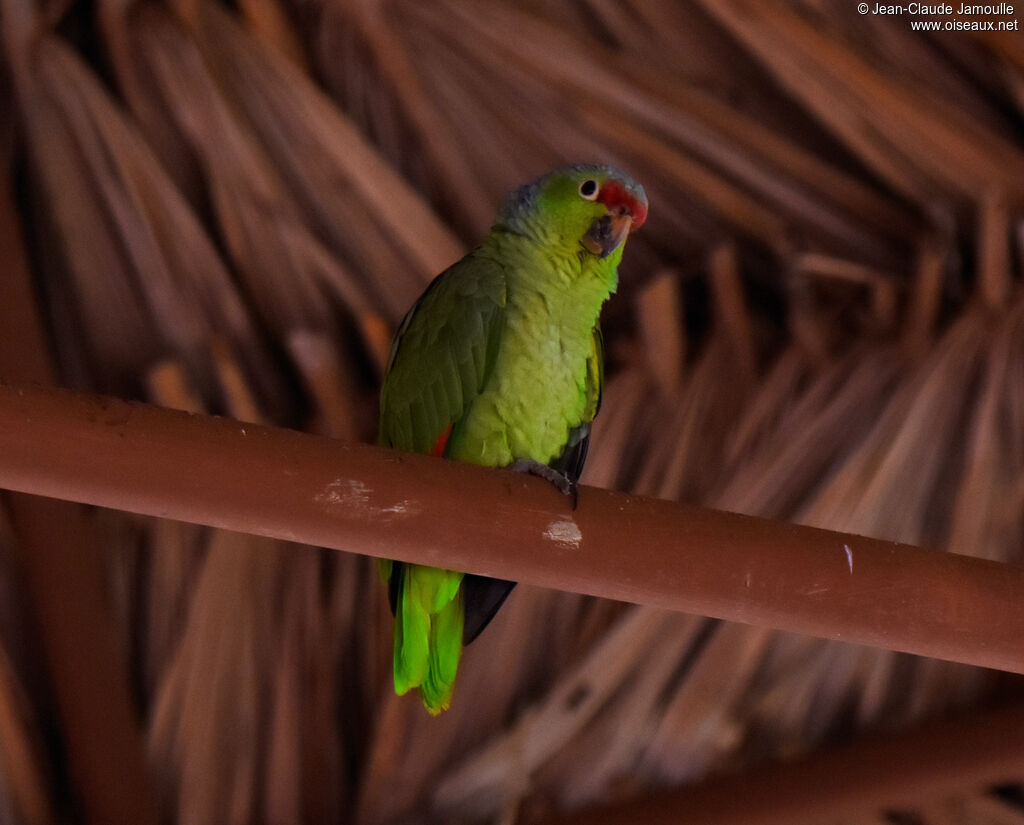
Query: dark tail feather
482,597
395,585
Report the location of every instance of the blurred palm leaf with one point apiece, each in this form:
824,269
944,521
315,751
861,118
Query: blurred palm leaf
230,210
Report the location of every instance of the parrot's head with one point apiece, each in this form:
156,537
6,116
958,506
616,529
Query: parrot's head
590,206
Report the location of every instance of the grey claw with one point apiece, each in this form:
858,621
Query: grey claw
565,485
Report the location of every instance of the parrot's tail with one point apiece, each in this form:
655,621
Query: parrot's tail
429,618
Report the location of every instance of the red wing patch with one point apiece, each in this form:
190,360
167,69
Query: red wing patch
442,441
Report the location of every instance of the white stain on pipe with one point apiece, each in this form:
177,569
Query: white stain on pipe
565,532
352,494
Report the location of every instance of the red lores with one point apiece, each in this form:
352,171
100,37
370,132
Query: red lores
617,198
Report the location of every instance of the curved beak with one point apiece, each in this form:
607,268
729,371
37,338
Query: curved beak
607,233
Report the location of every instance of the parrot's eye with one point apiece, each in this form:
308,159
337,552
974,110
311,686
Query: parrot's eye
588,189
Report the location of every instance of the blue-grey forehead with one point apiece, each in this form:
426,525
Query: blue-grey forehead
523,197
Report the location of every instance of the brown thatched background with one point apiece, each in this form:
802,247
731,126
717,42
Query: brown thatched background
229,209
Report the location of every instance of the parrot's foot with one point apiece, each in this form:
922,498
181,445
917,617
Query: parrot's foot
565,485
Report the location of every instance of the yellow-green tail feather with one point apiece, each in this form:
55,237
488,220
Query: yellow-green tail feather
429,618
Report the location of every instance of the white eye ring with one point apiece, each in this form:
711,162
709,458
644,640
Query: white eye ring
589,189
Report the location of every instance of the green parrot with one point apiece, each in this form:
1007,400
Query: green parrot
500,363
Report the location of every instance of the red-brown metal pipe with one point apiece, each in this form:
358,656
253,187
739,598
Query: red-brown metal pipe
59,564
891,772
364,499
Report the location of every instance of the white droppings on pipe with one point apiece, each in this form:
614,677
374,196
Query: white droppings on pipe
564,531
354,495
348,492
403,508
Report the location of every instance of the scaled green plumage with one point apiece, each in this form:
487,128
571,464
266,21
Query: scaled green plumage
499,363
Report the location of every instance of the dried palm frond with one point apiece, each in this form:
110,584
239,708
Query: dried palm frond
820,322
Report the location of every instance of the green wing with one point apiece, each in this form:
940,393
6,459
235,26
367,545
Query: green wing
442,355
595,373
570,462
